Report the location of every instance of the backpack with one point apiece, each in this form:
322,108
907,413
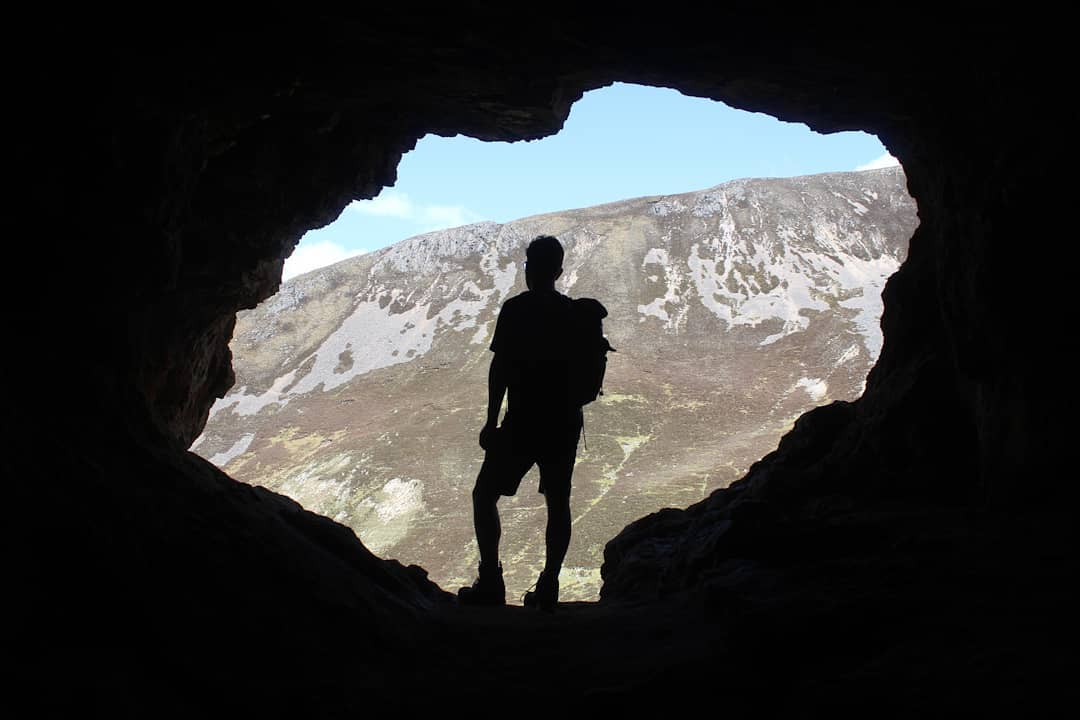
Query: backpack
588,349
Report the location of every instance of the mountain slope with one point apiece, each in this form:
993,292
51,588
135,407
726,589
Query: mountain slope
361,387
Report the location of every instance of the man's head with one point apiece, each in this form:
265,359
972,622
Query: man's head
543,262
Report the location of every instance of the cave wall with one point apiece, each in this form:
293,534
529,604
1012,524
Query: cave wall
204,157
166,170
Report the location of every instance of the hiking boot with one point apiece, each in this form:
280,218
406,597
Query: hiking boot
487,590
546,595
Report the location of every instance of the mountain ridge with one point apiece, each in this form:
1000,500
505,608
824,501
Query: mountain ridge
614,203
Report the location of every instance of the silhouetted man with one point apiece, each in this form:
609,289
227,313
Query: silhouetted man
541,427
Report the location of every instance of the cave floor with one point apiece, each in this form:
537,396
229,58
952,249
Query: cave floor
582,649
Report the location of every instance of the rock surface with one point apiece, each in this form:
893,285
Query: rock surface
164,171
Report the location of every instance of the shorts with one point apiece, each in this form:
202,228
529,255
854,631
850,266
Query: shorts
513,451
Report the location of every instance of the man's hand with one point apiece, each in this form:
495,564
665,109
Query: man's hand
487,434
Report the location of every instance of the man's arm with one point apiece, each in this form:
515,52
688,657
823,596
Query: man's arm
497,382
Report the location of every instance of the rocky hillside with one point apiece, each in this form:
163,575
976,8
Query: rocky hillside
361,387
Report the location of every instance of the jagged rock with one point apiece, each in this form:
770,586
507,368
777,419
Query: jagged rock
163,174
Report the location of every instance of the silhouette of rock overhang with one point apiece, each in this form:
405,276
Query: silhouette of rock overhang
175,168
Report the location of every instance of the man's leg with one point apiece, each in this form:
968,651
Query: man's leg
500,474
489,588
555,476
486,523
557,540
557,534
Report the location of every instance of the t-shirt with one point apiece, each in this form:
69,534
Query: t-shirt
530,337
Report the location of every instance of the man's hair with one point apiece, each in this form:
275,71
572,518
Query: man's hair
545,254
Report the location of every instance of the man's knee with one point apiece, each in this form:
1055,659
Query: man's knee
483,495
558,503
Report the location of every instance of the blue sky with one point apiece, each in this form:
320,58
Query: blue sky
619,142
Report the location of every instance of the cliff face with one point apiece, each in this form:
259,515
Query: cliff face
165,172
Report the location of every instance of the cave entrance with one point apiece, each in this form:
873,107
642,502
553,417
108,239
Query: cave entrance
736,305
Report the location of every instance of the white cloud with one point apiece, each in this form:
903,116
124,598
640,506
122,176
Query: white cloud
440,217
426,218
315,255
884,161
388,204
